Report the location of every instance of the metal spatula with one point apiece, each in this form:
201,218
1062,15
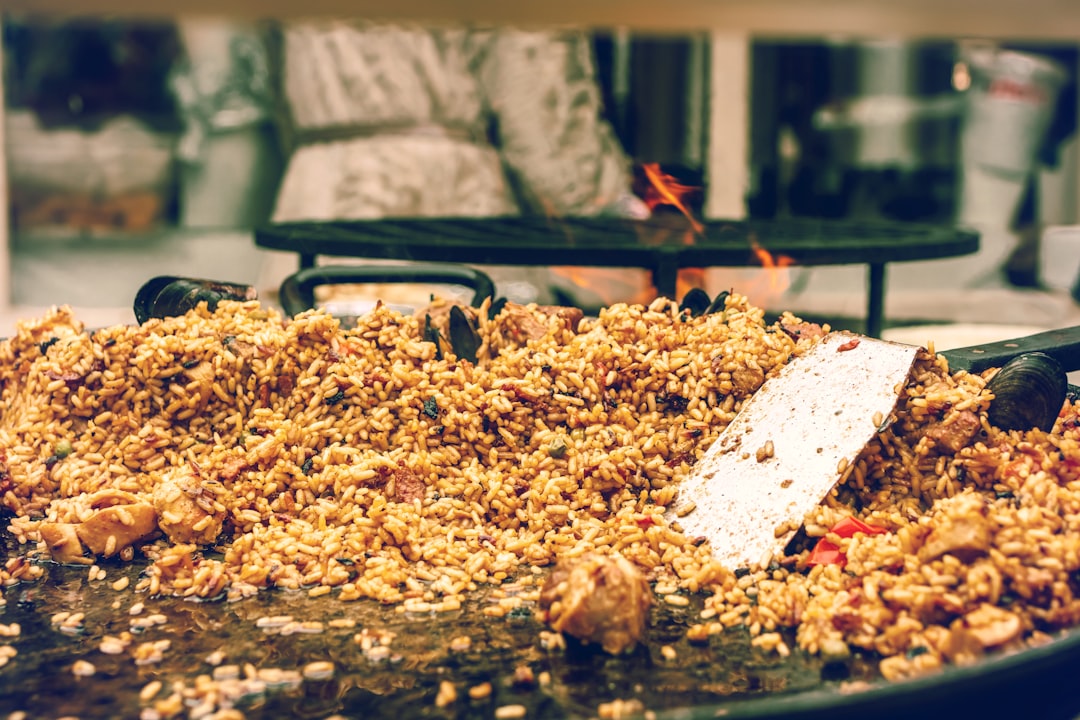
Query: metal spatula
791,442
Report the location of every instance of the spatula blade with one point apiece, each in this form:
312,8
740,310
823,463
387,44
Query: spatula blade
818,412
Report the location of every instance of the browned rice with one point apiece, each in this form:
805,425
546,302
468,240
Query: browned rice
543,450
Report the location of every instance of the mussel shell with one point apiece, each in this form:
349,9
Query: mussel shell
167,296
464,338
1029,392
432,335
719,303
496,307
696,302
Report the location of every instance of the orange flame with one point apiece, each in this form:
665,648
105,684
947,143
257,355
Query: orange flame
611,285
688,279
778,277
632,285
663,189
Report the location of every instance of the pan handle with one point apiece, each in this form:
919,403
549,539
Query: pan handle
1063,345
297,292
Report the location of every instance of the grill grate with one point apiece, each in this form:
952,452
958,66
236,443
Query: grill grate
591,241
664,244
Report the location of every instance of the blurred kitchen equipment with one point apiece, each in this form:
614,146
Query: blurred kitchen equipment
1059,259
888,122
1009,105
881,138
89,128
69,179
230,165
1008,108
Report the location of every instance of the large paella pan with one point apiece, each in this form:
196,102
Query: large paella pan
226,514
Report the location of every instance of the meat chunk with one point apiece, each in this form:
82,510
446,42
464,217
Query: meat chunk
406,486
240,348
71,379
520,323
964,532
202,373
232,467
747,380
802,330
532,322
598,599
62,541
113,528
965,539
120,520
110,497
993,626
961,646
186,508
954,433
568,317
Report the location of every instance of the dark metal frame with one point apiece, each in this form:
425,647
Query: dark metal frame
297,292
663,244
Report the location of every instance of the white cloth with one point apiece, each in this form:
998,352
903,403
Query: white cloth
535,92
538,89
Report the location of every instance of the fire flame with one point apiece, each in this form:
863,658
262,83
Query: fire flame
633,286
611,285
663,189
778,277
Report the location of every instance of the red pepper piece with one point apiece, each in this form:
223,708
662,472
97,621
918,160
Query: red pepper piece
849,526
826,553
849,345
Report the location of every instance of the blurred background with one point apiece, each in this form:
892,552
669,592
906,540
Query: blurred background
139,147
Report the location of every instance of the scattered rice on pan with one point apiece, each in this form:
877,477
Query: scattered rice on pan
357,462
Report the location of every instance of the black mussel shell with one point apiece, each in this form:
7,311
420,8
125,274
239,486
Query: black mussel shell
696,301
496,308
464,338
719,303
1029,391
166,296
431,335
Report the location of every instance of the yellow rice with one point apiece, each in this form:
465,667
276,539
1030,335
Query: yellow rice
547,448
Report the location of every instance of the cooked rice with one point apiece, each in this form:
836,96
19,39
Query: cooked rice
356,461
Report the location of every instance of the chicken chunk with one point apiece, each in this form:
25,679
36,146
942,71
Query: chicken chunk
531,322
798,330
120,520
186,509
113,528
598,599
406,486
569,317
62,541
964,533
747,380
993,626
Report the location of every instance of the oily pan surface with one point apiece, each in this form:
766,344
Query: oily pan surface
356,464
